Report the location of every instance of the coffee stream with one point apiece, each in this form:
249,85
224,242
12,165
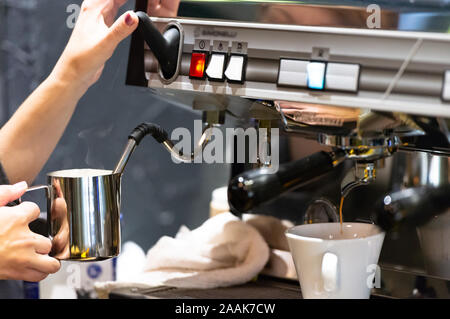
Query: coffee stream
340,212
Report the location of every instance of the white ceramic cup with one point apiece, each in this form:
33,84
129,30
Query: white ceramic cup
334,265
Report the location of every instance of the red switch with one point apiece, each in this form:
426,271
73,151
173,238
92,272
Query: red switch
198,63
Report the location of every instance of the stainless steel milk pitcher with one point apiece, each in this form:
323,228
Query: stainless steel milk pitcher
83,214
83,206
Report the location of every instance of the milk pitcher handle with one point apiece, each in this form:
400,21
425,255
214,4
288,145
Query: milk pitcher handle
36,188
330,268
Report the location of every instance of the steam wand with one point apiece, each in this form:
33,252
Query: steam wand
161,136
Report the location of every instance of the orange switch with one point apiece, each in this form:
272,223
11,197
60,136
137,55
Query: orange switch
198,63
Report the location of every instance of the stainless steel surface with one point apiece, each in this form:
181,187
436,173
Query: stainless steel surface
361,134
297,30
434,238
398,282
321,211
198,148
423,169
371,78
362,174
83,214
381,55
402,60
357,148
423,15
126,154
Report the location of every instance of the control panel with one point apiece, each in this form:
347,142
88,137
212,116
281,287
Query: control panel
382,70
218,61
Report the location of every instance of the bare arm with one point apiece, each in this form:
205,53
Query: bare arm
30,136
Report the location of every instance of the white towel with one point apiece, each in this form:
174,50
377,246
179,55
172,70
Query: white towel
271,228
224,251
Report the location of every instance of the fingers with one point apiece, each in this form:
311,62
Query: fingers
28,211
57,187
42,245
120,3
110,11
153,5
28,274
163,8
61,241
122,28
32,275
10,193
45,264
172,5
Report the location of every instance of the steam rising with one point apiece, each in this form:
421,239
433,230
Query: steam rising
93,138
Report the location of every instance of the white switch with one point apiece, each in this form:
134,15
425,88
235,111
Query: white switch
216,66
235,69
446,89
293,73
316,75
342,77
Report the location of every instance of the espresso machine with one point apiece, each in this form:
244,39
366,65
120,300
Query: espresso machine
360,93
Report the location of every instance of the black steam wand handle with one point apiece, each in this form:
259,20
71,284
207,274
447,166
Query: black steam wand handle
135,138
165,46
258,186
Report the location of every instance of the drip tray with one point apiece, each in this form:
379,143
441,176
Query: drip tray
263,288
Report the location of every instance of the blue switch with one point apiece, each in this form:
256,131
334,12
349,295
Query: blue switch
316,75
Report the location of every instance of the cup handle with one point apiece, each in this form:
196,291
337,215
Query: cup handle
330,264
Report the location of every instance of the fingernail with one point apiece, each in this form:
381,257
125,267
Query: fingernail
20,186
129,19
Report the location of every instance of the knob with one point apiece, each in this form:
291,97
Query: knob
165,47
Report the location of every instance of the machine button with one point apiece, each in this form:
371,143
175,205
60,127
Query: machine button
198,62
235,69
293,73
316,75
446,88
342,77
216,67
